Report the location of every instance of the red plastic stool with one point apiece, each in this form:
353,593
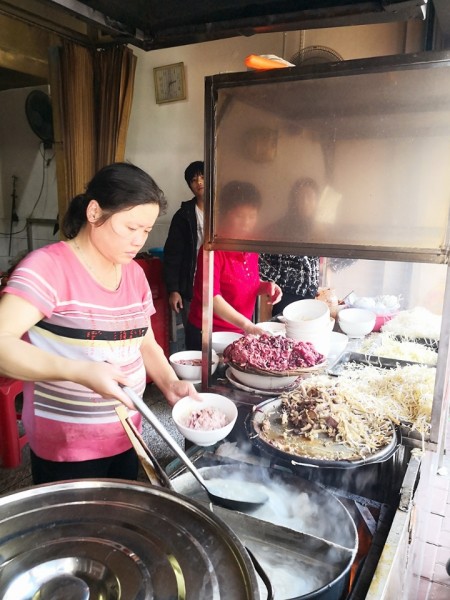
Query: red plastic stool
11,443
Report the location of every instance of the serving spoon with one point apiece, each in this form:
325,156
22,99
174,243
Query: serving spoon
218,493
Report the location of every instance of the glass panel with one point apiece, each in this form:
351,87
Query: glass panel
415,284
359,159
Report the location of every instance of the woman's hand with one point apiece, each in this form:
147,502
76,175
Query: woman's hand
272,290
253,329
105,379
179,389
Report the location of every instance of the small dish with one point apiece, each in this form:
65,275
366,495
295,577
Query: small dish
183,409
356,322
221,339
191,372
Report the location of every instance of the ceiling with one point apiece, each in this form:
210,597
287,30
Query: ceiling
154,24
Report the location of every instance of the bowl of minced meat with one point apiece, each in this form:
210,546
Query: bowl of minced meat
206,421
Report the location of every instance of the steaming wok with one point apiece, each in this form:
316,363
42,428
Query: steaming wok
310,452
304,537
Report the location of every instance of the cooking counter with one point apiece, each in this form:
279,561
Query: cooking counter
370,493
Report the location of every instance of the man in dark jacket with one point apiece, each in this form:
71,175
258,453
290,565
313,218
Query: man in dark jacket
183,242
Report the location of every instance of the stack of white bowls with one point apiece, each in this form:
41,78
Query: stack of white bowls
309,321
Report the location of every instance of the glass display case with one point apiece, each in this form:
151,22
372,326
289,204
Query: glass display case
373,138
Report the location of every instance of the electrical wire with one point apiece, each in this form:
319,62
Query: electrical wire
45,164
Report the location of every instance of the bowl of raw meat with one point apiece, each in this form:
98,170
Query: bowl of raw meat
205,422
187,364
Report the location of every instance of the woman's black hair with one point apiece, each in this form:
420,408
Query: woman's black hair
238,193
116,187
195,168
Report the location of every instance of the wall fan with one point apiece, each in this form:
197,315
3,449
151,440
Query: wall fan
315,55
38,109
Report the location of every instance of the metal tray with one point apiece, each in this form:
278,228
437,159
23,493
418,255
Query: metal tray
368,360
320,452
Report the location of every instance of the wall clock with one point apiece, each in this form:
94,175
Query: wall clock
170,83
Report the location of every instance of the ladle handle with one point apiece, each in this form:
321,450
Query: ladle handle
162,431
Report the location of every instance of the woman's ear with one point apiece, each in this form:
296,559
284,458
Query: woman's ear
93,211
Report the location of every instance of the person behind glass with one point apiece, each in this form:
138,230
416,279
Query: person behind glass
236,282
183,242
75,327
297,276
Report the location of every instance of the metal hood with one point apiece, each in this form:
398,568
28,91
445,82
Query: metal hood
152,24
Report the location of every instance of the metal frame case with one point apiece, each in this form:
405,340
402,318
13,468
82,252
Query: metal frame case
374,133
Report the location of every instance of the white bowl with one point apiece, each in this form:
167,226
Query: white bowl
319,337
273,327
191,372
356,322
263,382
184,408
307,315
338,344
222,339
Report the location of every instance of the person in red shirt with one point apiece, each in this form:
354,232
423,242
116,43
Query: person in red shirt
237,283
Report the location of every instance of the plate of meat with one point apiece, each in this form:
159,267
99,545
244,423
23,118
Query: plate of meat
273,356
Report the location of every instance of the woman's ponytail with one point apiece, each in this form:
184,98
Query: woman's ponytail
75,217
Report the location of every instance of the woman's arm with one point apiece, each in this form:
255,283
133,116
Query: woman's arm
225,311
161,372
21,360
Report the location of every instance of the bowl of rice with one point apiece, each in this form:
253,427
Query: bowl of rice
207,421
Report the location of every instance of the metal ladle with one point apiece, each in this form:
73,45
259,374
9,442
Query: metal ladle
216,494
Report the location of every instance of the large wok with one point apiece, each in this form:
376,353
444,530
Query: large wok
304,537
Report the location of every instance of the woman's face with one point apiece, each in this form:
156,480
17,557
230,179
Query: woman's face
240,221
124,234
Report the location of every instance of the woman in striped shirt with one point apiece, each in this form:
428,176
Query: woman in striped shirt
75,326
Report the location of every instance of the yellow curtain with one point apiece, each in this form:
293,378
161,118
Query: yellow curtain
92,93
114,76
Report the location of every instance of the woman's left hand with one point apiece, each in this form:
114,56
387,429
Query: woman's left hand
179,389
272,290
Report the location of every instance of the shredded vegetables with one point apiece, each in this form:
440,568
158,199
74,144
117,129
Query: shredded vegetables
386,346
357,408
416,323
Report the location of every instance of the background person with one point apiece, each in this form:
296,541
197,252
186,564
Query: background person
297,276
236,274
183,242
75,326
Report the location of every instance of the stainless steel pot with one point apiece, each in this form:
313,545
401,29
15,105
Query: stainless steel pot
96,539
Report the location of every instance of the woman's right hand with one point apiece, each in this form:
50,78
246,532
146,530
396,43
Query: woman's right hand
104,379
253,329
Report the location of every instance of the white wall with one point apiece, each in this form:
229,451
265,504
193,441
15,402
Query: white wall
22,156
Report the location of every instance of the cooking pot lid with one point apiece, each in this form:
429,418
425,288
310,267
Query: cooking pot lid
113,539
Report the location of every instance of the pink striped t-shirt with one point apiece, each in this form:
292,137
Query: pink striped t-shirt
65,421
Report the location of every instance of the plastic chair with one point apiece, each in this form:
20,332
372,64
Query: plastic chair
11,442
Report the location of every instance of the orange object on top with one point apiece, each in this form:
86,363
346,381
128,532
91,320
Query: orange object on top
263,63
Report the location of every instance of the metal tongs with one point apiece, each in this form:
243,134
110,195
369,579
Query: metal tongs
153,470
